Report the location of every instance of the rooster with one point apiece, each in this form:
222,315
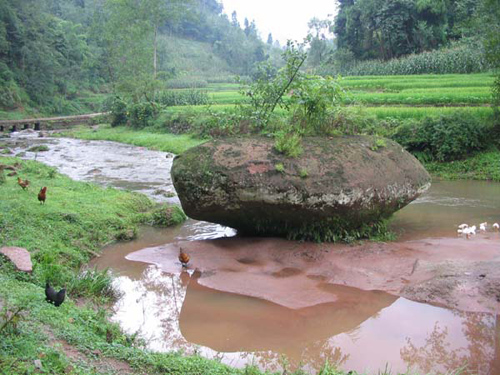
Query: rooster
24,184
183,258
42,195
52,297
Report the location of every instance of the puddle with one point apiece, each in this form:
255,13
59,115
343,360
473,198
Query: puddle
361,331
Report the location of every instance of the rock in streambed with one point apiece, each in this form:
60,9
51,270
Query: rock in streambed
337,187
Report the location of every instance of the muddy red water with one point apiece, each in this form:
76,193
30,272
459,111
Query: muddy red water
428,301
270,301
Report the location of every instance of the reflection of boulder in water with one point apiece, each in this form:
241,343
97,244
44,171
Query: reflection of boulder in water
229,322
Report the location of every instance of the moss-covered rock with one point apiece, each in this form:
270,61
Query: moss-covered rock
352,184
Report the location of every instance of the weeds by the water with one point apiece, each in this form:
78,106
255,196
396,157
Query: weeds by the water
165,216
92,283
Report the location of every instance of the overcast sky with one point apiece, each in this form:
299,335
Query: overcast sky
285,19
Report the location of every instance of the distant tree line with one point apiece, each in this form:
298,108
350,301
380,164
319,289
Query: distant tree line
457,36
385,29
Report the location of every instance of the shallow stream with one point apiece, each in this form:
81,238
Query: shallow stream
352,328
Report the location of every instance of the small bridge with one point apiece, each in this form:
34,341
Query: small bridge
48,123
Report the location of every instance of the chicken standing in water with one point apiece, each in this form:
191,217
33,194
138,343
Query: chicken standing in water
183,258
24,184
52,297
42,195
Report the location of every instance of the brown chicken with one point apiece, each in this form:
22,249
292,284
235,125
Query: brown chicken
42,195
183,258
24,184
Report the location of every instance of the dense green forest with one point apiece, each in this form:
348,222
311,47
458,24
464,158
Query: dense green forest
53,51
389,37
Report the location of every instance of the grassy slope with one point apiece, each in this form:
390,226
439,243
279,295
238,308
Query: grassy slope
76,221
155,141
77,217
193,59
186,58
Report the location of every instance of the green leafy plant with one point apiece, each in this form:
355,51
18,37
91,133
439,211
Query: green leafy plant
280,167
312,99
118,109
288,144
379,143
141,114
270,86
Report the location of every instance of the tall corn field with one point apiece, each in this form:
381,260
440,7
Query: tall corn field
460,59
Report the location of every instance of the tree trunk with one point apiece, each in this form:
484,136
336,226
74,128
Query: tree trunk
155,42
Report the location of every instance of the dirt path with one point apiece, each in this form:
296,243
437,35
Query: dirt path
93,359
456,273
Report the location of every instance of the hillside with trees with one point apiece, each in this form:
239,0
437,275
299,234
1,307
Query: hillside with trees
59,56
379,37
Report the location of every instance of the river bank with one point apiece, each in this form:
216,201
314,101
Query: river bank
77,219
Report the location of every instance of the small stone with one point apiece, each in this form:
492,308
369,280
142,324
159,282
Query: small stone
96,352
19,256
38,364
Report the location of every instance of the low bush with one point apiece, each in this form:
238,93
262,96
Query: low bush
175,122
443,138
223,123
118,109
141,114
288,144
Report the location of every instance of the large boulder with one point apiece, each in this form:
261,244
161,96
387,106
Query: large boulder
339,187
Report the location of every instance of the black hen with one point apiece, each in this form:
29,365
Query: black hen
52,297
50,293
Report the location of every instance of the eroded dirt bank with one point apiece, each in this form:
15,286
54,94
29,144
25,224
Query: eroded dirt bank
456,273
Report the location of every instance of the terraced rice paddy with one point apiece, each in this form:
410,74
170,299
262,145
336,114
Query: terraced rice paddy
413,96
